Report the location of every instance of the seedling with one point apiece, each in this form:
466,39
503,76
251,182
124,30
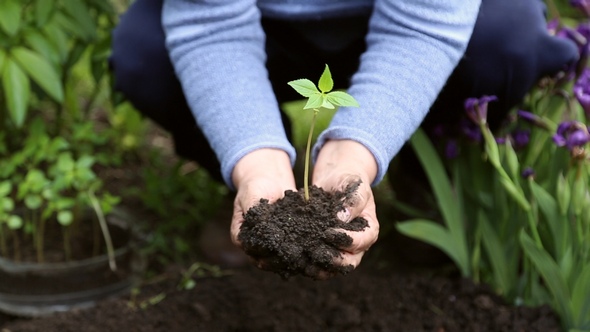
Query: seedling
319,97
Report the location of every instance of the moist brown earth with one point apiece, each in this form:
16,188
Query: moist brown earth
401,285
255,300
297,236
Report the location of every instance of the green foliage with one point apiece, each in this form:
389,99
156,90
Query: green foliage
451,239
317,99
49,145
527,236
527,233
183,200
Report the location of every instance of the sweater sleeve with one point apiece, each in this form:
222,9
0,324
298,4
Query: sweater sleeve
217,50
412,48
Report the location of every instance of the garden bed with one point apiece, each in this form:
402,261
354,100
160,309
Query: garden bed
401,285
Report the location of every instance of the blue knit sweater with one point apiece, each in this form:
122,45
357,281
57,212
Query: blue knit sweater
217,49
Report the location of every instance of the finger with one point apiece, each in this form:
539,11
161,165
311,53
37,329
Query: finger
354,241
361,201
236,222
349,259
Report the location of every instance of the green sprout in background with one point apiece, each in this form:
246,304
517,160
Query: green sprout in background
319,97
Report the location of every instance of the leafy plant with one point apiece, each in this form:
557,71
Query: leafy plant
521,201
197,198
52,55
319,97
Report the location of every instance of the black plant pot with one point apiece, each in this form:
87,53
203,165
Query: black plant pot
37,289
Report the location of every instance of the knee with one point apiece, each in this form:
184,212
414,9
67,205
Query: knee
511,49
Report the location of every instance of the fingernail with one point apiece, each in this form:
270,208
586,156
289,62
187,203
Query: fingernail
343,215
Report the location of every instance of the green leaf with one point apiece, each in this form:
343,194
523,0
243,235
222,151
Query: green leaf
563,194
340,98
7,204
314,101
579,192
5,188
65,162
549,270
437,176
2,58
326,83
304,87
79,12
64,203
495,250
17,90
42,45
511,160
58,38
436,235
581,300
85,161
550,209
447,200
36,180
10,16
14,222
43,11
33,202
65,217
326,103
40,71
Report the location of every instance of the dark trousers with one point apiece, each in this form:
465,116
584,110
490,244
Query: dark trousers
497,62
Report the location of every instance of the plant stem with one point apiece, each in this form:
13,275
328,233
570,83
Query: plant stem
95,238
40,237
105,230
67,244
308,156
16,243
3,247
532,218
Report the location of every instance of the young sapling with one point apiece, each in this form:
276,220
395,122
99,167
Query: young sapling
319,97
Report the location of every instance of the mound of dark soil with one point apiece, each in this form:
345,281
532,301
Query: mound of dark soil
296,236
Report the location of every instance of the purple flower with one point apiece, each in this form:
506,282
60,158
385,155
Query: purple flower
477,109
521,138
532,118
581,90
582,5
452,149
528,116
471,130
501,140
571,134
553,27
580,36
528,172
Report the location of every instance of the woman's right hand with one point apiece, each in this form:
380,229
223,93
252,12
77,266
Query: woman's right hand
263,173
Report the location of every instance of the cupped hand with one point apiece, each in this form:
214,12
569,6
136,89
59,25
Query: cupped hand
340,163
263,173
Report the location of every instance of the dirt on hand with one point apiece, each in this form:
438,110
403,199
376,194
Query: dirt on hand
293,236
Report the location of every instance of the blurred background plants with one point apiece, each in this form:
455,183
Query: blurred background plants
514,203
64,132
48,143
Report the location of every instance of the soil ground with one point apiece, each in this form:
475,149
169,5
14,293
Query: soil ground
401,285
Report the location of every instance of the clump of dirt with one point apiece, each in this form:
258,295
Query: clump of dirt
293,236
